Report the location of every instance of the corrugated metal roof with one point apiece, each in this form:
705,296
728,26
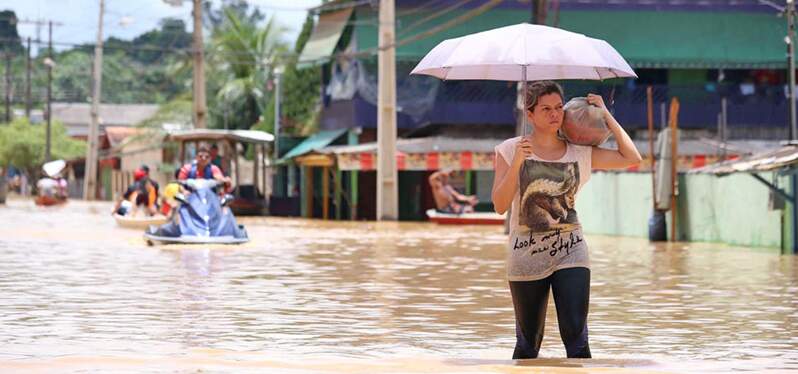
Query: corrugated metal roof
110,114
315,142
780,158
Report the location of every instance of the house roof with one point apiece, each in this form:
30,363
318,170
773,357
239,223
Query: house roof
76,117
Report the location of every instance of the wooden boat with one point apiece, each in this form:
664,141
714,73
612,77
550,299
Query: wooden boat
48,201
139,222
475,218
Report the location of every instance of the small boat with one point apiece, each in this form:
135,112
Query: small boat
139,222
48,201
475,218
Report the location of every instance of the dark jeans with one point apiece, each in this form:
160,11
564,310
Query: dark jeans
571,289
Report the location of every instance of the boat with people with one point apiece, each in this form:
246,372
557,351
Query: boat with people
472,218
52,189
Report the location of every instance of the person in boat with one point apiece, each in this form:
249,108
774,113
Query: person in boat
217,159
53,187
146,170
539,175
141,193
202,168
447,198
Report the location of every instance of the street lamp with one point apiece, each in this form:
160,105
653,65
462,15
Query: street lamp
50,65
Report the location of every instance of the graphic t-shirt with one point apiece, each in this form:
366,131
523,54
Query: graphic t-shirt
545,234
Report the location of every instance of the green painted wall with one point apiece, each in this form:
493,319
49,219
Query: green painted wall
732,209
615,204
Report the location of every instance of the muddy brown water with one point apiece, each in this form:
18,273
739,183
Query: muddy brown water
78,293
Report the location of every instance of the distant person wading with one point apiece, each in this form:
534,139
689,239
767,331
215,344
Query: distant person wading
539,175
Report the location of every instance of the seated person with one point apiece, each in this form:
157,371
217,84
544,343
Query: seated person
202,168
216,158
53,187
447,199
146,170
141,193
169,202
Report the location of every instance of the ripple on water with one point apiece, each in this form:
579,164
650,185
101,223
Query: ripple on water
73,284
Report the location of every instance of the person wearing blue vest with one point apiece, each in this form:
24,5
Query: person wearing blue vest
202,168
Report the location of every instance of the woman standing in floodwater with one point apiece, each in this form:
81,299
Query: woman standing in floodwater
539,175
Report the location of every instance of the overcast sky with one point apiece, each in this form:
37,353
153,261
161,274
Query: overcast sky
126,19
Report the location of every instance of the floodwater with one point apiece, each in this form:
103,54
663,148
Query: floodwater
78,293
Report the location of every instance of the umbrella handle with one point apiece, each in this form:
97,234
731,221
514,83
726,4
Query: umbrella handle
612,100
523,105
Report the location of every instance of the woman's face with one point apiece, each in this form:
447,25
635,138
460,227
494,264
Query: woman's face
548,113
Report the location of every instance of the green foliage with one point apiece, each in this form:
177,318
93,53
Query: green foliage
22,145
240,60
9,37
178,111
299,93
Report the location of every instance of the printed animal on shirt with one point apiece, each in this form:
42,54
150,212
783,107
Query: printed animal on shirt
548,194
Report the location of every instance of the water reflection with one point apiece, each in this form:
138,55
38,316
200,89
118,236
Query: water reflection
74,285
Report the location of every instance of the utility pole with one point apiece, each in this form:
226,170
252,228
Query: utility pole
200,110
49,91
27,81
38,23
90,185
387,176
8,85
791,65
790,9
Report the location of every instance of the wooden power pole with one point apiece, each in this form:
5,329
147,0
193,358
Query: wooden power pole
90,185
200,109
387,176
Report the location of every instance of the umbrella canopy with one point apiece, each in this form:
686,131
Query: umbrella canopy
53,168
524,52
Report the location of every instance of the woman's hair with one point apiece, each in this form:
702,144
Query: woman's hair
541,88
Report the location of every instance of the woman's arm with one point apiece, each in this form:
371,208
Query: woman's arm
505,178
626,155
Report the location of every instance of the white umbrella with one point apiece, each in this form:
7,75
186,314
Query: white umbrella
524,52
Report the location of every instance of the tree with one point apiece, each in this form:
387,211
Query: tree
241,57
9,37
172,35
299,94
22,145
214,18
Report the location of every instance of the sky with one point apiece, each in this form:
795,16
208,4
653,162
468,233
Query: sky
127,19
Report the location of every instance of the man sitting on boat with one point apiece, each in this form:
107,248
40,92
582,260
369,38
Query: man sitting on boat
202,168
447,199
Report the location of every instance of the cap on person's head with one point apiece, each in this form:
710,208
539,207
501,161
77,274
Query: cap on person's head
139,175
145,168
